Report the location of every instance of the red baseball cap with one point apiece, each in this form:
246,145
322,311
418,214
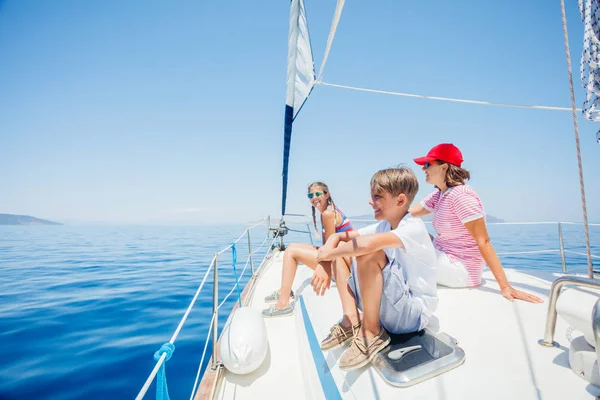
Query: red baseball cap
446,152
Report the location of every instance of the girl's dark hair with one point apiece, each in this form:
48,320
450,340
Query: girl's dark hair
329,201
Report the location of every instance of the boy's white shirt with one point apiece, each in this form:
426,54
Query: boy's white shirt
417,258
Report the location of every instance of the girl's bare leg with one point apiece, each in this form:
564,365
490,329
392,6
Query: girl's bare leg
294,254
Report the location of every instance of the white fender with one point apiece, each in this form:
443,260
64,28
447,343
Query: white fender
244,341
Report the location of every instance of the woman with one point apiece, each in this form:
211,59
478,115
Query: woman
463,245
333,220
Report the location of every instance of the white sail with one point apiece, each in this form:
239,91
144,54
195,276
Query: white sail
301,67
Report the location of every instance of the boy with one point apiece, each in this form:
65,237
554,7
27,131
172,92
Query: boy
392,279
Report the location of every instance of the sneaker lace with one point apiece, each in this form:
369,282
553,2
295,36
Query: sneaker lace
338,332
360,343
356,328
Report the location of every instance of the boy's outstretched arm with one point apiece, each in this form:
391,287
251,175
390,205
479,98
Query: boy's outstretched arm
336,238
360,245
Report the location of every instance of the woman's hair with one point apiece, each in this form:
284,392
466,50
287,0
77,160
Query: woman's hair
455,176
329,201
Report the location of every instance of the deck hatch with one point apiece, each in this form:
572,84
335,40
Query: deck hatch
415,357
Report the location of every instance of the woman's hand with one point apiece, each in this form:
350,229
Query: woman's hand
511,294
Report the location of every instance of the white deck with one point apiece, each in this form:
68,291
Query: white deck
503,358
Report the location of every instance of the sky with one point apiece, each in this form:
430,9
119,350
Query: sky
152,112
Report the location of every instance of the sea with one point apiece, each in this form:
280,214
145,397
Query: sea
83,309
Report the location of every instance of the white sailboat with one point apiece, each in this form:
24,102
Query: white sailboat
478,345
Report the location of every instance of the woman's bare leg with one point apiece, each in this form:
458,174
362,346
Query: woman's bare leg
294,254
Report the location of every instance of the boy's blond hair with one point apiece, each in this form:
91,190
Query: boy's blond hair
396,181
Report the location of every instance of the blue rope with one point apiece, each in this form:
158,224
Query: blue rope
162,392
234,261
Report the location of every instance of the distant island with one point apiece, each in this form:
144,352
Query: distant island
429,217
13,219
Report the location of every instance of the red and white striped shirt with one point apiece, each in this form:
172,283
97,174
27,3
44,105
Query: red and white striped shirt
452,209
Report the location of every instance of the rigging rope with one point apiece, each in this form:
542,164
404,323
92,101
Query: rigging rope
573,107
420,96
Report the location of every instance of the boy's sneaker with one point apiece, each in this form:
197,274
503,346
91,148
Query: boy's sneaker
338,335
273,297
363,350
278,312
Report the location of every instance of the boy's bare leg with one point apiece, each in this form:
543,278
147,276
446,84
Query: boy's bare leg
341,272
370,282
294,254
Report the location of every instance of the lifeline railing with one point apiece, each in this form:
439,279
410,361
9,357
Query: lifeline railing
561,248
165,352
167,349
307,226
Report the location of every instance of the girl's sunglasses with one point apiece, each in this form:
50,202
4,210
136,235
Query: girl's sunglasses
318,194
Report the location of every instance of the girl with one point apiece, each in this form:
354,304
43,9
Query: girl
333,220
